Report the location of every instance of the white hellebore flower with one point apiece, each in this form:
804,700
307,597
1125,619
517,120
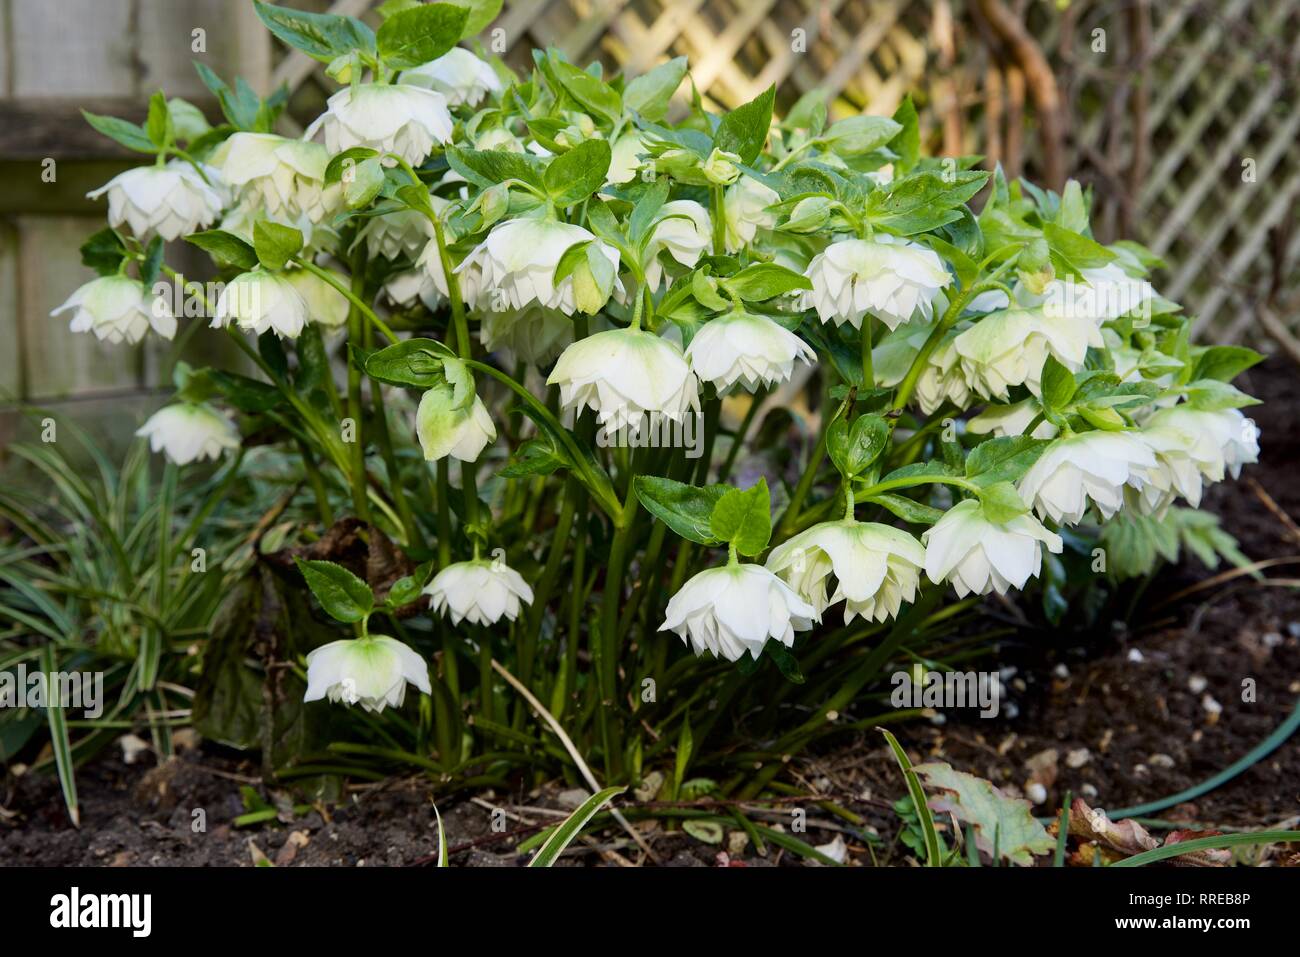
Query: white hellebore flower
877,567
533,334
745,208
479,591
259,300
1009,348
1106,292
458,75
404,232
277,176
515,265
625,374
391,118
450,422
894,280
116,309
326,306
978,555
1223,439
170,201
188,431
1088,467
682,228
371,671
736,608
741,347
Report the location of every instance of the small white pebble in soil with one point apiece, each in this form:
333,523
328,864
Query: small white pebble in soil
1010,710
937,717
1078,758
1161,761
1036,793
1196,684
1061,671
1140,770
1088,791
1211,706
1272,639
1135,656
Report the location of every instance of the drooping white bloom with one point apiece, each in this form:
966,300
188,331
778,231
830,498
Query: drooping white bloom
894,280
877,567
447,424
1009,348
371,671
458,75
1177,472
624,375
534,334
745,348
515,265
1012,420
326,306
116,309
169,201
188,431
745,207
479,591
259,300
979,556
391,118
1105,292
404,232
278,177
735,609
1221,440
1091,467
625,157
681,228
941,378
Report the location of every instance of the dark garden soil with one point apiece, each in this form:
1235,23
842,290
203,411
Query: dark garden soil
1153,708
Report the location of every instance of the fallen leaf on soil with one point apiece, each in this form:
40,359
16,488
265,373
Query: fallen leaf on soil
1116,840
977,802
295,842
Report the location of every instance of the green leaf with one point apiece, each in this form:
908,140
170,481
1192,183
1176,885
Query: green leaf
343,595
417,363
152,264
1213,395
744,518
996,817
854,447
564,835
704,289
573,176
744,130
348,159
103,252
1004,458
909,510
408,588
923,201
1058,385
129,134
857,135
685,509
1072,251
1001,502
1224,363
158,127
591,92
415,37
651,93
535,457
366,180
907,141
275,244
480,13
59,741
225,248
488,167
760,281
322,36
933,851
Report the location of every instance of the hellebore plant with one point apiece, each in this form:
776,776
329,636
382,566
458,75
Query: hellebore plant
986,388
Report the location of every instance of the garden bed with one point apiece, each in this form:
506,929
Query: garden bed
1136,705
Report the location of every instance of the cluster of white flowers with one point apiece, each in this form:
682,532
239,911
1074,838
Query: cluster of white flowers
530,264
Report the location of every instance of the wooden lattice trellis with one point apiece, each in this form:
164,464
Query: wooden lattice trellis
1168,111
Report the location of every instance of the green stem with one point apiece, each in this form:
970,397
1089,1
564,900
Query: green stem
719,220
